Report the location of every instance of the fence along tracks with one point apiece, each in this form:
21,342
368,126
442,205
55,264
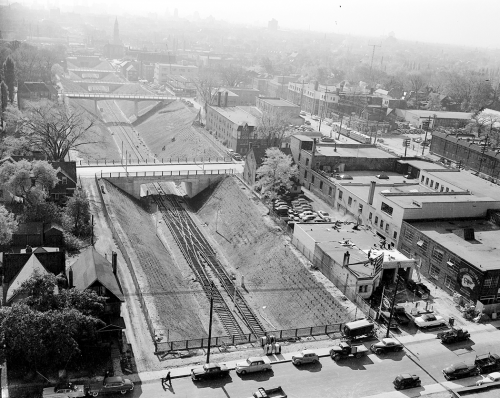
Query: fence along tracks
202,259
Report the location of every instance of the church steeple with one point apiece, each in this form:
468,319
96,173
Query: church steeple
116,33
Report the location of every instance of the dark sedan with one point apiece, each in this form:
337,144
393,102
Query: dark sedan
385,345
460,370
111,385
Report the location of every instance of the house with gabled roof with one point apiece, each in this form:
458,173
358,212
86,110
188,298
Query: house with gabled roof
93,271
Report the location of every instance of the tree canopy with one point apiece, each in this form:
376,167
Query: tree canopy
55,130
276,173
49,326
8,225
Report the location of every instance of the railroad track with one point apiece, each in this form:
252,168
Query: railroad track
188,249
201,256
123,132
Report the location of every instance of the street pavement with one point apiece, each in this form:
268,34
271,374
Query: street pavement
370,376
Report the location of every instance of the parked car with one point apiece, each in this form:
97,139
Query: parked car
111,385
314,117
460,370
236,156
307,213
323,214
209,371
64,390
251,365
491,378
384,318
429,320
406,380
307,122
417,139
308,218
305,356
358,329
303,113
327,139
453,335
343,177
400,314
418,288
388,344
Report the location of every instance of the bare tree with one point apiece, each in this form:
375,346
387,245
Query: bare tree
416,81
55,130
486,124
231,75
272,127
207,85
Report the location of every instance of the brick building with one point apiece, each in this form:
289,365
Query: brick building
460,256
470,154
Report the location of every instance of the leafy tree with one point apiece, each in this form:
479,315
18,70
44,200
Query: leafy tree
9,72
8,225
28,180
276,173
417,81
231,75
54,130
77,217
267,64
45,328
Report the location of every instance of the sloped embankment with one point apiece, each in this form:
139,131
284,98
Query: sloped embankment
171,298
127,107
279,287
172,128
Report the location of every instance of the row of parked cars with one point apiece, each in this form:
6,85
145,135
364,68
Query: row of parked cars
109,385
300,210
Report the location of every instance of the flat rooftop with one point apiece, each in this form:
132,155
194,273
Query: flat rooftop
279,102
467,181
366,176
482,252
335,239
236,114
407,202
423,165
362,191
352,152
441,114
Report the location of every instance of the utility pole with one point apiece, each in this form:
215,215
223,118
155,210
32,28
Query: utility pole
483,150
210,321
373,55
322,109
425,139
393,301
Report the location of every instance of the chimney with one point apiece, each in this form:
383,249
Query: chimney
316,85
226,94
313,152
70,278
347,255
469,234
371,194
29,249
114,261
218,98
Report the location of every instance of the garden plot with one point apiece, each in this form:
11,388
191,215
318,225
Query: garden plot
281,290
172,298
171,128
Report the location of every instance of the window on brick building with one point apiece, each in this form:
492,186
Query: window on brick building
305,174
321,185
312,178
382,224
376,220
307,161
434,272
349,201
437,254
330,191
341,194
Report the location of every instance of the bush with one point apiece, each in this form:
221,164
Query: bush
72,243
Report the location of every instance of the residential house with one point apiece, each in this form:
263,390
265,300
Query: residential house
38,234
35,91
92,271
19,267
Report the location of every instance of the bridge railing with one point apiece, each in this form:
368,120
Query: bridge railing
119,96
124,174
153,162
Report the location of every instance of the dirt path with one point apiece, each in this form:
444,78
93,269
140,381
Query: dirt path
137,331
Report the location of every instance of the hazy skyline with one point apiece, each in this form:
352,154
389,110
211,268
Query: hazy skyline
457,22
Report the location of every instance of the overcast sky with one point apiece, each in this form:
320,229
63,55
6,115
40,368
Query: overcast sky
461,22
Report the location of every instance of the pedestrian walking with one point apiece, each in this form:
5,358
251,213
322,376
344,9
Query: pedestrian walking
168,379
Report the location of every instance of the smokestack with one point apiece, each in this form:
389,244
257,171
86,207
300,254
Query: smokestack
226,95
347,255
371,194
114,261
218,98
70,278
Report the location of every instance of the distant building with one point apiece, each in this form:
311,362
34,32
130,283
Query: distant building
180,85
38,234
233,126
432,119
272,24
275,106
253,161
163,71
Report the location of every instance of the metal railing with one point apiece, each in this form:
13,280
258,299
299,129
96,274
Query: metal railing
124,174
153,162
120,96
280,335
